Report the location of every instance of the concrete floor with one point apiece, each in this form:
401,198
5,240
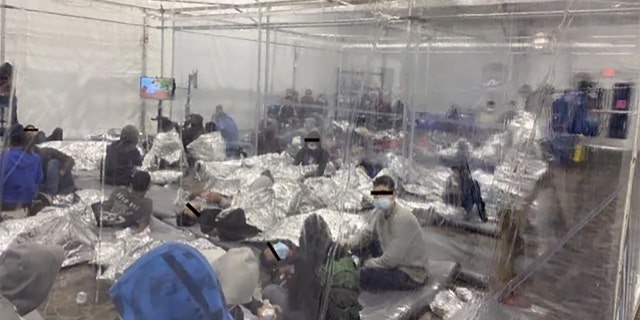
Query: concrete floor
576,283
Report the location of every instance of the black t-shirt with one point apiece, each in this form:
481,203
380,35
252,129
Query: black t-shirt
124,209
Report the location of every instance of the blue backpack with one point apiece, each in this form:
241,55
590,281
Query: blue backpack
172,282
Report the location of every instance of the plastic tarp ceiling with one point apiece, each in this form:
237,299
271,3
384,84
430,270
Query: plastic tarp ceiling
78,64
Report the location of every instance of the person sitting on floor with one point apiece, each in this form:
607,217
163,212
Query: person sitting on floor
127,207
21,175
122,158
194,131
40,137
302,297
57,167
463,191
312,153
395,242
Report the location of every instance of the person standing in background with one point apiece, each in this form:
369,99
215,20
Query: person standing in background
6,89
227,126
307,102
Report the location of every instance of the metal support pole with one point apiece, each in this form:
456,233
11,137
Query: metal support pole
295,67
3,31
258,87
145,42
267,53
173,57
339,84
408,82
159,129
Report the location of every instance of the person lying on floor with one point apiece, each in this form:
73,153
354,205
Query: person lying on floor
122,158
21,175
301,297
229,225
312,154
204,198
392,245
127,207
27,274
57,167
461,190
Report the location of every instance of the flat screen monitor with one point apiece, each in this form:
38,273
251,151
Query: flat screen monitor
157,88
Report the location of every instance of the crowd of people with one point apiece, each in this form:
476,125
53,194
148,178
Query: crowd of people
297,282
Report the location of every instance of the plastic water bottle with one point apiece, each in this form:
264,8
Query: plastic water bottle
269,312
81,297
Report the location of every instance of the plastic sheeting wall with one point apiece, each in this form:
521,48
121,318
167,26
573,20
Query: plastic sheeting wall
227,65
79,66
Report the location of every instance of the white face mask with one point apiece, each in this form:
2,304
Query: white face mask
312,147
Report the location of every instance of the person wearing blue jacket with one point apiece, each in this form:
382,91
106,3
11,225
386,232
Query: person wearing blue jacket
21,175
228,129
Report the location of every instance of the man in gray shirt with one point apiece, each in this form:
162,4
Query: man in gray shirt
395,243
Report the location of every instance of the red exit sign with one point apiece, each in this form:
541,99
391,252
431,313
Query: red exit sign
609,73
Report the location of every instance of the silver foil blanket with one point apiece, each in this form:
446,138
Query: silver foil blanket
164,177
121,249
87,154
208,148
109,135
167,146
448,302
289,228
52,226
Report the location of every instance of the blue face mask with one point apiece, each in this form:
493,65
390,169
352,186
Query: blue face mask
282,250
382,204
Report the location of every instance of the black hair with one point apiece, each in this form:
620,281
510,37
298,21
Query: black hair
196,120
140,181
210,127
17,137
385,181
6,70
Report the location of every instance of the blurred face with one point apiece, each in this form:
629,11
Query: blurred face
269,261
383,202
219,111
312,145
31,134
308,92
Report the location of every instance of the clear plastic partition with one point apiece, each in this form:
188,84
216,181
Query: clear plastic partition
409,159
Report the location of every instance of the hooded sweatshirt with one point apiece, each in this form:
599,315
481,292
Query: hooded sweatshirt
27,273
238,271
122,158
22,174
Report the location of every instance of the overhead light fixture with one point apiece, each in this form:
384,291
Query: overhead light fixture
540,40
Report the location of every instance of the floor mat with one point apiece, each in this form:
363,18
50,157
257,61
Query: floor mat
402,305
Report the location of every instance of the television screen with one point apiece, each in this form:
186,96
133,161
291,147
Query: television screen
157,88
